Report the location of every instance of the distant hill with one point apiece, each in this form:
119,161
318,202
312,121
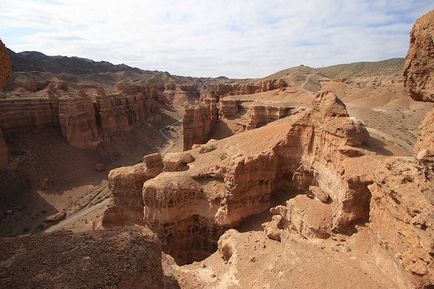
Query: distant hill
390,66
37,61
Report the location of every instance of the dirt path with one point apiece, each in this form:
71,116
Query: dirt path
76,216
170,142
307,80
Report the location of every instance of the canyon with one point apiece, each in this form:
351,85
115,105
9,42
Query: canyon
306,178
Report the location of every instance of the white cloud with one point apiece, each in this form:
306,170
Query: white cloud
237,38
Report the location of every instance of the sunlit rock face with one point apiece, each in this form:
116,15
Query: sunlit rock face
419,79
198,122
222,89
419,63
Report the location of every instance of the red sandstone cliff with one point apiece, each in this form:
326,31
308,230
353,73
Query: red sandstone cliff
198,122
419,79
5,65
419,63
222,89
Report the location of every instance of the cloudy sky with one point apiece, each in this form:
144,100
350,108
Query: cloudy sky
236,38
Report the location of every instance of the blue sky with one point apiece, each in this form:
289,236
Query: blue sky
236,38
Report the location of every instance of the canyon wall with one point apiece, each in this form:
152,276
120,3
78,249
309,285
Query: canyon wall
126,184
222,89
198,122
419,62
5,66
123,112
419,79
260,115
229,107
402,203
401,219
78,122
83,119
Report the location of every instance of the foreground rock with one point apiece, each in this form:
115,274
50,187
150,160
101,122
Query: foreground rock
401,218
128,257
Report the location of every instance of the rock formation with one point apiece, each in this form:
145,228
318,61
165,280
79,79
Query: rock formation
222,89
122,112
82,121
128,257
126,184
200,120
424,147
78,122
5,65
198,123
419,79
260,115
402,202
229,107
401,218
189,209
419,64
208,198
28,113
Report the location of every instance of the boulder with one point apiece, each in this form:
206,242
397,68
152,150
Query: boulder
55,218
175,162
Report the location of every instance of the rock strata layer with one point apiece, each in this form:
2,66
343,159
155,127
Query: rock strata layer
222,89
198,122
84,122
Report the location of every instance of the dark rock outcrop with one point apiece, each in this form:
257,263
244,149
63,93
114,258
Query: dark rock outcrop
121,258
5,65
